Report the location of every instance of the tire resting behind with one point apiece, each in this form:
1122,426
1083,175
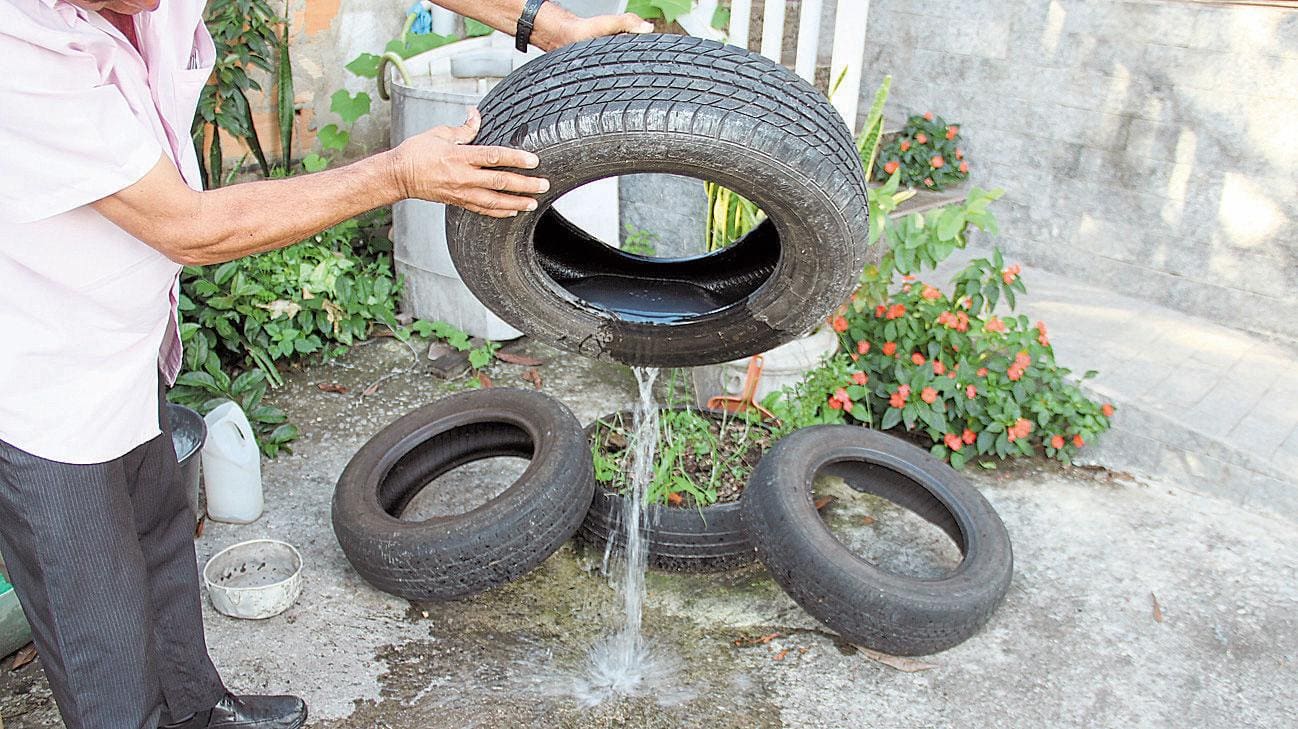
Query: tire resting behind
671,104
445,558
867,605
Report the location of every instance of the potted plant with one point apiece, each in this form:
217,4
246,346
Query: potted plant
702,464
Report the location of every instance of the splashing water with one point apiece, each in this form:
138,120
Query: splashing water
625,662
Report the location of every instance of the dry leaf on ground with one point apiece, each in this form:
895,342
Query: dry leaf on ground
533,376
371,389
780,656
332,387
867,520
761,640
484,380
24,656
1158,609
519,359
901,663
824,501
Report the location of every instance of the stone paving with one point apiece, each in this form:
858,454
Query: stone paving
1212,407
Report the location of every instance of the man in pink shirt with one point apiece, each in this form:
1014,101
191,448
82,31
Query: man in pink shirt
100,205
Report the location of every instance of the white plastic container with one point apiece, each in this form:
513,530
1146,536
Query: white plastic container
232,467
785,365
254,580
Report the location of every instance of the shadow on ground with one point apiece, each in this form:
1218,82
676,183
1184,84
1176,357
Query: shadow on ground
1078,641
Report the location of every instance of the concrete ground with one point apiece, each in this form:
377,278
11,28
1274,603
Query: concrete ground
1133,605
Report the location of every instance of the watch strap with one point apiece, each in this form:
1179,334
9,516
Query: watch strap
526,23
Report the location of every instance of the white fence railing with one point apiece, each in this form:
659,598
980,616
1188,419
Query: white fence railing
848,51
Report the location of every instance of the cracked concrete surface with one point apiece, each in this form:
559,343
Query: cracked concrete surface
1075,644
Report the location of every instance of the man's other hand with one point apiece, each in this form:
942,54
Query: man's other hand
440,165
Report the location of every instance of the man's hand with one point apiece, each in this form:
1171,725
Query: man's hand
439,166
572,29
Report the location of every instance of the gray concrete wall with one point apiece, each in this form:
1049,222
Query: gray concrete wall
1150,146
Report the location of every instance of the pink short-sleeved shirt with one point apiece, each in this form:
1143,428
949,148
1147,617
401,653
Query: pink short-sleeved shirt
87,311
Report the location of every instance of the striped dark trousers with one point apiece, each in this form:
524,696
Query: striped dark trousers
102,558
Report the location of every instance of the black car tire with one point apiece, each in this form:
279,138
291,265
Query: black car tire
669,104
449,557
864,604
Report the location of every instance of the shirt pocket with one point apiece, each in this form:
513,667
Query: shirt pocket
186,86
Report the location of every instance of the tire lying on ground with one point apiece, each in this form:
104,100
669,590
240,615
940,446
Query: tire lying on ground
866,605
688,106
449,557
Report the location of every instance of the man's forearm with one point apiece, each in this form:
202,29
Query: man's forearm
551,21
224,224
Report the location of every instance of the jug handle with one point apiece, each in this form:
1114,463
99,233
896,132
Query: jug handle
242,429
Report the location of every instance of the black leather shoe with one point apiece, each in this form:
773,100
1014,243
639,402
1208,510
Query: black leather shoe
249,712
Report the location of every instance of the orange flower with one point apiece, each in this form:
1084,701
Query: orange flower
928,116
889,348
862,347
953,441
1107,409
928,395
1022,360
959,153
971,392
931,293
839,323
860,377
928,181
938,367
994,324
1057,442
1014,373
951,131
937,162
896,311
982,372
964,168
880,310
834,404
968,436
905,145
917,358
922,138
1078,442
890,166
898,398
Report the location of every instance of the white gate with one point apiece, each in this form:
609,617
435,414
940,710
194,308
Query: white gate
848,49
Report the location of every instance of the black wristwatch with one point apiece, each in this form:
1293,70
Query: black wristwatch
526,22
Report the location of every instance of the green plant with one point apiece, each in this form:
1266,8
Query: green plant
699,459
249,37
668,10
943,366
479,356
730,216
640,242
928,153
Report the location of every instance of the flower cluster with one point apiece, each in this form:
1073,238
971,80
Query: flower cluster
944,366
927,153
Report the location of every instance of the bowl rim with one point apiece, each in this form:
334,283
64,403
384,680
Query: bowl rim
297,569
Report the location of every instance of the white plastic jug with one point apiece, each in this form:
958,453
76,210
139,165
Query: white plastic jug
232,467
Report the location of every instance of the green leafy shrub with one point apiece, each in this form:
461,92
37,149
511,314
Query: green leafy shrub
944,366
700,460
928,153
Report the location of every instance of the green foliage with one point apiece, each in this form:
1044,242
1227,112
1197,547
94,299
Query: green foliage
867,143
250,315
692,460
250,38
947,367
928,153
640,242
668,10
479,356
